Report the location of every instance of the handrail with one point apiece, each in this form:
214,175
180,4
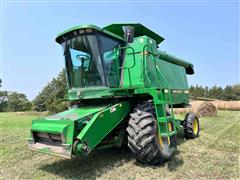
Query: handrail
134,62
169,91
133,52
144,50
158,72
156,66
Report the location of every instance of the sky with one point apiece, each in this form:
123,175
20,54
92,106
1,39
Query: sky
205,33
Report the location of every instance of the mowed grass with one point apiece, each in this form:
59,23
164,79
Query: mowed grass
214,155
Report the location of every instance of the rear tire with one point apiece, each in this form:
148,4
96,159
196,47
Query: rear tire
144,140
191,126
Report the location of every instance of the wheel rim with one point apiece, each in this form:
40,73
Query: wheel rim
195,126
160,140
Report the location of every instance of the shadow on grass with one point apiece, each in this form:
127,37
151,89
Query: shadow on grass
101,161
175,162
93,166
172,165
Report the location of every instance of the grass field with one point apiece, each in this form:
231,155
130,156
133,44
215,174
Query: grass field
214,155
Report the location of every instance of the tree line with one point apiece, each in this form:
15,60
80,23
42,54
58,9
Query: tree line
53,96
216,92
13,101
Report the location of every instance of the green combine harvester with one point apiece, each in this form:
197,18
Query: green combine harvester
122,90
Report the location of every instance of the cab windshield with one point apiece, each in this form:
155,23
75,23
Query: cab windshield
91,61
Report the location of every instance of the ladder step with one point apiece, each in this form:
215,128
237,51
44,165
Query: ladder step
163,119
168,134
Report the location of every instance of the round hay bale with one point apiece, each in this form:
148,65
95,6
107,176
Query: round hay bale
201,108
227,105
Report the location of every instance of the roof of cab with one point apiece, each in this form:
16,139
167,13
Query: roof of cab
140,30
90,26
116,30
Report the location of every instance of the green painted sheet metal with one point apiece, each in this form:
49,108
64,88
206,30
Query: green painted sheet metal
175,60
170,72
88,93
48,127
63,122
149,70
76,113
65,127
102,123
135,76
140,30
67,124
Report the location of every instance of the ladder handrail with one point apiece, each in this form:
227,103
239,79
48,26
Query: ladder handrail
159,72
144,50
156,66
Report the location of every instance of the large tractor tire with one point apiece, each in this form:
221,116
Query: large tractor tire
191,126
144,140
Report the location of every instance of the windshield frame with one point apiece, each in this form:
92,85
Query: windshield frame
97,34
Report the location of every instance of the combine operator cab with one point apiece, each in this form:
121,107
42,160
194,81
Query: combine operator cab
91,59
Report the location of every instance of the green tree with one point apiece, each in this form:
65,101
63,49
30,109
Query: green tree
196,92
3,100
18,102
206,92
232,92
200,91
215,92
52,96
192,92
236,91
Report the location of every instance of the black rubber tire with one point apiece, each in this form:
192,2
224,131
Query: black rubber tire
143,137
188,126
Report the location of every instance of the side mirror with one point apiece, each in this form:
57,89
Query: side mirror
128,34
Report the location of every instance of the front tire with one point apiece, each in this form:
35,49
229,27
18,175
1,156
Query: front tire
191,126
144,140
